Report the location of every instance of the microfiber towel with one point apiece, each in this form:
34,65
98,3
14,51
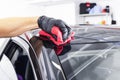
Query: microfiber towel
56,43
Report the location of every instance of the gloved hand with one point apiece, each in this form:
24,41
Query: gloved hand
58,45
46,24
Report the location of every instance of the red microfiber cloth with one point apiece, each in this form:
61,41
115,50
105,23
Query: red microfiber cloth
58,42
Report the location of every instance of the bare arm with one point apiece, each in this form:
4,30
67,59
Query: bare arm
17,25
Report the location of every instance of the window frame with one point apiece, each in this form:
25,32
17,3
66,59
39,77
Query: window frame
25,45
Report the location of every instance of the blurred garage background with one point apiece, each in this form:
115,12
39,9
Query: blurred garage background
67,10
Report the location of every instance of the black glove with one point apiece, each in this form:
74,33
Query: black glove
46,24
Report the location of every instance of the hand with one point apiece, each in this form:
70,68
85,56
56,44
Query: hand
46,24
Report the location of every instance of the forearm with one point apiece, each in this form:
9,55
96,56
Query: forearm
17,25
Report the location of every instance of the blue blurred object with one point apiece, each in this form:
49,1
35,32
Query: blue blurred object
96,9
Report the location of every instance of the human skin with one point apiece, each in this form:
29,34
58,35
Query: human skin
14,26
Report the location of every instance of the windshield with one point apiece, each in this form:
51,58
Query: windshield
94,54
92,61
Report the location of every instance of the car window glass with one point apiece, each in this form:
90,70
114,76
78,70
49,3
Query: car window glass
95,61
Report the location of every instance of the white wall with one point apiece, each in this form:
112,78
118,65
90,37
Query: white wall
11,8
64,11
114,6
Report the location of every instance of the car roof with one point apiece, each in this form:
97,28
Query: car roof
96,34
